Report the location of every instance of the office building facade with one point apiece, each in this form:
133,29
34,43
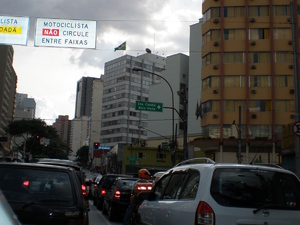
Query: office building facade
8,85
123,86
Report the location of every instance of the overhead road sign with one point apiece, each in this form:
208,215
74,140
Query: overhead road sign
149,106
14,30
65,33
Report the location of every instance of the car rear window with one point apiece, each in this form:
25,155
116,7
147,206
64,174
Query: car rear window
126,184
23,185
255,188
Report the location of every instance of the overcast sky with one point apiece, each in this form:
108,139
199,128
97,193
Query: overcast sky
49,75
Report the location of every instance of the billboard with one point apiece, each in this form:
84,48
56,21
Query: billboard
65,33
14,30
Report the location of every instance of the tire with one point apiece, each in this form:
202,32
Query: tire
111,213
104,211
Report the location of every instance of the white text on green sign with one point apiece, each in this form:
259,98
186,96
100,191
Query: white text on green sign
149,106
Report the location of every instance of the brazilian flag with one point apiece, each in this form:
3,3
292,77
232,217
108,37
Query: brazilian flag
121,46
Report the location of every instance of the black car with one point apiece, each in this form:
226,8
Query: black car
69,163
103,186
43,194
94,185
117,198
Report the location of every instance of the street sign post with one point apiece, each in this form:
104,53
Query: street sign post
149,106
165,145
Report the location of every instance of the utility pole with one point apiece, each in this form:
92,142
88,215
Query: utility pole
239,154
184,101
296,85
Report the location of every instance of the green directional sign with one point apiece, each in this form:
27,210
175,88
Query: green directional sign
149,106
133,158
165,145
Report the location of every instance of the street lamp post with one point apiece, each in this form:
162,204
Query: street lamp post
173,138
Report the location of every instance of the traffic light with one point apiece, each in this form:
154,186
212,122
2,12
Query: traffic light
96,145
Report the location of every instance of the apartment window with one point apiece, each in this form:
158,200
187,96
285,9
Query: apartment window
258,11
212,35
259,81
261,33
161,156
259,57
234,81
281,10
233,105
234,34
211,106
285,106
260,106
212,13
234,11
210,82
284,81
283,57
282,33
211,58
233,57
141,155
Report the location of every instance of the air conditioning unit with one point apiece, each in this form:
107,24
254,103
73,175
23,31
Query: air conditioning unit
292,91
215,116
253,67
215,91
292,116
253,116
253,43
216,43
289,19
216,20
216,67
253,91
291,66
290,42
252,20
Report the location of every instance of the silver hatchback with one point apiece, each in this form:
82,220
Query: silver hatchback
223,194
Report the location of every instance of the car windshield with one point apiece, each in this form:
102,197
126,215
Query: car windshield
255,188
30,185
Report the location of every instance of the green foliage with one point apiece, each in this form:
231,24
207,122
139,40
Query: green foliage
29,130
83,155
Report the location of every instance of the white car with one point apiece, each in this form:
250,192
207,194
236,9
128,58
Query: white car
223,194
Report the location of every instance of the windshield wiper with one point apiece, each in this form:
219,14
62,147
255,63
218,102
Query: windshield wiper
266,206
44,200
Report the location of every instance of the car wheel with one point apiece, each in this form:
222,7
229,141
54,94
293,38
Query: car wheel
111,213
104,211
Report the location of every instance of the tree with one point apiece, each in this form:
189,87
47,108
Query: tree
83,155
32,131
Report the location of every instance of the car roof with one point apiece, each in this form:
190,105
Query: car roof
36,165
59,162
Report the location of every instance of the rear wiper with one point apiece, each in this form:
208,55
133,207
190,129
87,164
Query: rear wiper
266,206
44,200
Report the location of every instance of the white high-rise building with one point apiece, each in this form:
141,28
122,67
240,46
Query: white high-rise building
122,87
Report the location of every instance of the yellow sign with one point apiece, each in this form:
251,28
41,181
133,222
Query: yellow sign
10,30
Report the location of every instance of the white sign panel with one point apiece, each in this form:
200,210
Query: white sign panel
65,33
13,30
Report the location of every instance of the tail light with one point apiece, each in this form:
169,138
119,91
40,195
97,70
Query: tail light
144,188
84,190
103,192
117,194
204,215
26,183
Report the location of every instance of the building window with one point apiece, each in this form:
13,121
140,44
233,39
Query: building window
282,33
212,35
259,81
211,106
238,11
234,34
281,10
283,57
161,157
233,57
284,81
141,155
234,81
233,105
259,57
211,58
211,82
285,106
258,11
260,33
260,106
212,13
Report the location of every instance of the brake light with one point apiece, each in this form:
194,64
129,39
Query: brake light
103,192
95,185
84,190
117,195
144,188
26,183
204,215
